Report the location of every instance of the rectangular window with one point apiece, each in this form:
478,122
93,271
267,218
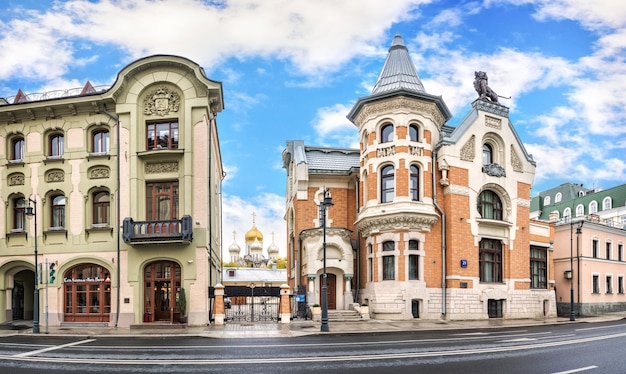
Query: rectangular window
56,146
389,261
370,269
413,245
608,250
538,267
389,267
620,252
162,135
100,142
414,267
17,151
162,201
594,248
490,260
19,214
620,284
596,284
609,284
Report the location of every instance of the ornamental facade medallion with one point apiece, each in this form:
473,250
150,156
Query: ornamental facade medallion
161,102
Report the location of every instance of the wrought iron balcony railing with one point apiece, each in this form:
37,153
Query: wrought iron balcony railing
165,231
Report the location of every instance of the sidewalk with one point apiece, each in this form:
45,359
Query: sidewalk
296,327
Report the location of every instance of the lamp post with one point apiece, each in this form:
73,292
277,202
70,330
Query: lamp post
328,201
579,230
30,211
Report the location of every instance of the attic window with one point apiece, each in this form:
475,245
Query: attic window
231,272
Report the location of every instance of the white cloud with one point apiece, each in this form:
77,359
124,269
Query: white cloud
269,210
332,120
313,35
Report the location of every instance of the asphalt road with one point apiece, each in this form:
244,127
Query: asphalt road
563,349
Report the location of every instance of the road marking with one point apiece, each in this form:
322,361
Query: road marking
577,370
277,360
518,340
55,347
599,327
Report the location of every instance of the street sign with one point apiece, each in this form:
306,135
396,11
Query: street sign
463,263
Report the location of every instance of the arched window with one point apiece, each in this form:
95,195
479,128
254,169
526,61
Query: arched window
593,207
414,184
87,294
567,214
387,184
487,154
414,133
558,197
386,133
100,141
57,211
17,149
101,208
489,205
546,200
19,213
55,145
607,203
364,141
580,210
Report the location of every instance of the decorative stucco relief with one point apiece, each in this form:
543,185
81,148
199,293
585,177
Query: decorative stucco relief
99,173
388,106
55,176
161,102
495,123
16,179
161,167
455,189
468,151
396,222
516,162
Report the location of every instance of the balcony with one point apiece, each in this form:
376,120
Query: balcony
152,232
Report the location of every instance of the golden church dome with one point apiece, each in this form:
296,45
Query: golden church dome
254,234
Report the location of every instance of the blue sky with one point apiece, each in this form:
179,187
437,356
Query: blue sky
292,69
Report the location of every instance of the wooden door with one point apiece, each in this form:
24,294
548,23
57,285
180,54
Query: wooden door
331,285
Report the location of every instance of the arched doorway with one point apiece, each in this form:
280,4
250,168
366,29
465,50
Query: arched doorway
87,289
331,289
161,289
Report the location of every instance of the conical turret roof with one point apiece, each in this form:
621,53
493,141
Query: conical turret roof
398,73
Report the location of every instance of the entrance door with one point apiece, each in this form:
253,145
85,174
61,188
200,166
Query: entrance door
331,286
162,300
18,301
162,282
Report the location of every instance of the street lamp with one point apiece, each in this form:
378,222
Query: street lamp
328,201
30,211
579,230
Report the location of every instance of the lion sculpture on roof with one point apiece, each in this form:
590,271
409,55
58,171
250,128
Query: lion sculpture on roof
482,87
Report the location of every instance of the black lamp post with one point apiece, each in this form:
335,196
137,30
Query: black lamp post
579,230
33,212
328,201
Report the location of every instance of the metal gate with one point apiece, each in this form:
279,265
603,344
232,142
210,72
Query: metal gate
251,304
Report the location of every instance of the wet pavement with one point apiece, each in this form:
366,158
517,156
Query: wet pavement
293,329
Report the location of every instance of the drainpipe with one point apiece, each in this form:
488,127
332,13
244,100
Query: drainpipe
211,122
117,134
358,248
443,234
